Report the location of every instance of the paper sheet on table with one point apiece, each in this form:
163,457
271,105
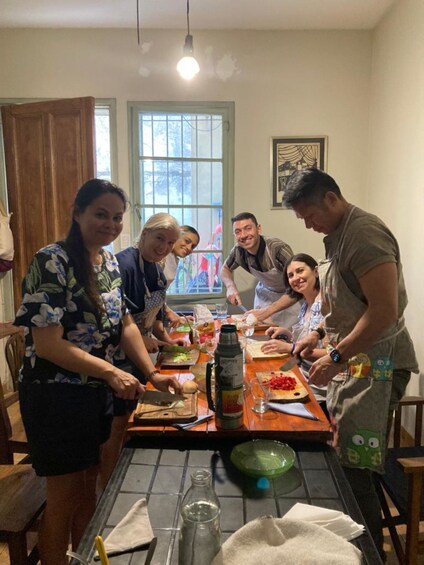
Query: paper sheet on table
294,409
332,520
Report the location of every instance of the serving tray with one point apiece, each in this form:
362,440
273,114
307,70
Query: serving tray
297,394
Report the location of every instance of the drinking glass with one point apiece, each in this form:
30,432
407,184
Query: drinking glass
260,394
210,345
221,311
247,329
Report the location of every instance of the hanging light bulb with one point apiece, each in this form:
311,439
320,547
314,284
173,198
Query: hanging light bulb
188,67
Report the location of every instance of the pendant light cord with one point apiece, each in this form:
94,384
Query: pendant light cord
138,22
188,17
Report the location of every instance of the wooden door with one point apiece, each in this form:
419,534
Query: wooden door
49,153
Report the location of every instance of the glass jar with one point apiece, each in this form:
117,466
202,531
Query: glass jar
200,531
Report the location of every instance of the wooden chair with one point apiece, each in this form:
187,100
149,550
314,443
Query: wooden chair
403,482
22,499
15,350
12,433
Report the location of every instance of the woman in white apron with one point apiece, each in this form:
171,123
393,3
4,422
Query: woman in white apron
144,286
268,290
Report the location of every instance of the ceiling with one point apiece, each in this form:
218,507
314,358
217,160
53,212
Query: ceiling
204,14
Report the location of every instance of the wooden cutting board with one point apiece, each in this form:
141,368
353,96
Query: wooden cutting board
297,394
254,350
173,358
177,412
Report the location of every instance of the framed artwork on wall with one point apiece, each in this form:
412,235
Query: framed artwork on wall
289,154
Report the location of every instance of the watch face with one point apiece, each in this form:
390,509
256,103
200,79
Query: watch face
335,356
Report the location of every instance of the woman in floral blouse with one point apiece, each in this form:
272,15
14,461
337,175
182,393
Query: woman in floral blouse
301,276
75,318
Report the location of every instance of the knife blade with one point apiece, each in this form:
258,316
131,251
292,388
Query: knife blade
159,397
289,364
242,308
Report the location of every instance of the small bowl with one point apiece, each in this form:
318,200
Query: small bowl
263,458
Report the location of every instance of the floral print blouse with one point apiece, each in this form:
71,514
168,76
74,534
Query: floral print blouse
52,296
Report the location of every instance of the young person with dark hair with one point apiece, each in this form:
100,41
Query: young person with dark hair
265,258
183,247
301,275
363,297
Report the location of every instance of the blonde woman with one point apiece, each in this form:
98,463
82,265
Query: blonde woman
144,285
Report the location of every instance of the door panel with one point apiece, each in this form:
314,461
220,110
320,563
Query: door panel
49,153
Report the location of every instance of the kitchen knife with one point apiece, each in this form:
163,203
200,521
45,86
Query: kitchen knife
290,364
159,397
189,425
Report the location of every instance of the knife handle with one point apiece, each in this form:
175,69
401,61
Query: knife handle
284,337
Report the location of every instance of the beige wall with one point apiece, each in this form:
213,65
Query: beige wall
397,147
282,83
362,89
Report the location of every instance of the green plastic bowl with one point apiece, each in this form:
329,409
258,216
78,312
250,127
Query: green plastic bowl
263,458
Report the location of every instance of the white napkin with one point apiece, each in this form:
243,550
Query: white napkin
133,531
274,541
332,520
294,409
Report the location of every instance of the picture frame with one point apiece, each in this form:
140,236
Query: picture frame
289,154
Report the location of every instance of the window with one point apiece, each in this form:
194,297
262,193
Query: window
104,115
182,164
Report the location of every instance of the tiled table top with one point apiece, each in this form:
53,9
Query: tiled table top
162,475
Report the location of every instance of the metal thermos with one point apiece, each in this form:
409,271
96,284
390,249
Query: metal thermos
228,366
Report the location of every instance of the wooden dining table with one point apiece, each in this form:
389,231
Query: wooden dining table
270,425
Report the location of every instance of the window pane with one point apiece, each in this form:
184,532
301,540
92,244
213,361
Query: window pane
146,140
175,138
103,158
181,168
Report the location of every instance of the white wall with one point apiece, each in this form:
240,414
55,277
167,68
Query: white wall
396,150
282,83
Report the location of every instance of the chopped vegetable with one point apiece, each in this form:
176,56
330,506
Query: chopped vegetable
175,349
281,382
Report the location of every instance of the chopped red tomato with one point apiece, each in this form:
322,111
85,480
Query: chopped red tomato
282,382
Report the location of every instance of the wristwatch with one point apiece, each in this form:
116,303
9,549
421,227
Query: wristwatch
320,331
336,356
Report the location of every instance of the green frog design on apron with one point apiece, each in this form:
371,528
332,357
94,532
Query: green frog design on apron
358,398
268,290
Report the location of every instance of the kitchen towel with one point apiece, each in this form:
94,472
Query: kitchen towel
132,532
332,520
279,540
294,409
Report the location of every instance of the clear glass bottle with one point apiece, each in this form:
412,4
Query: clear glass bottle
200,531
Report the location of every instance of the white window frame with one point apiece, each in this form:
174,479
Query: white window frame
226,109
